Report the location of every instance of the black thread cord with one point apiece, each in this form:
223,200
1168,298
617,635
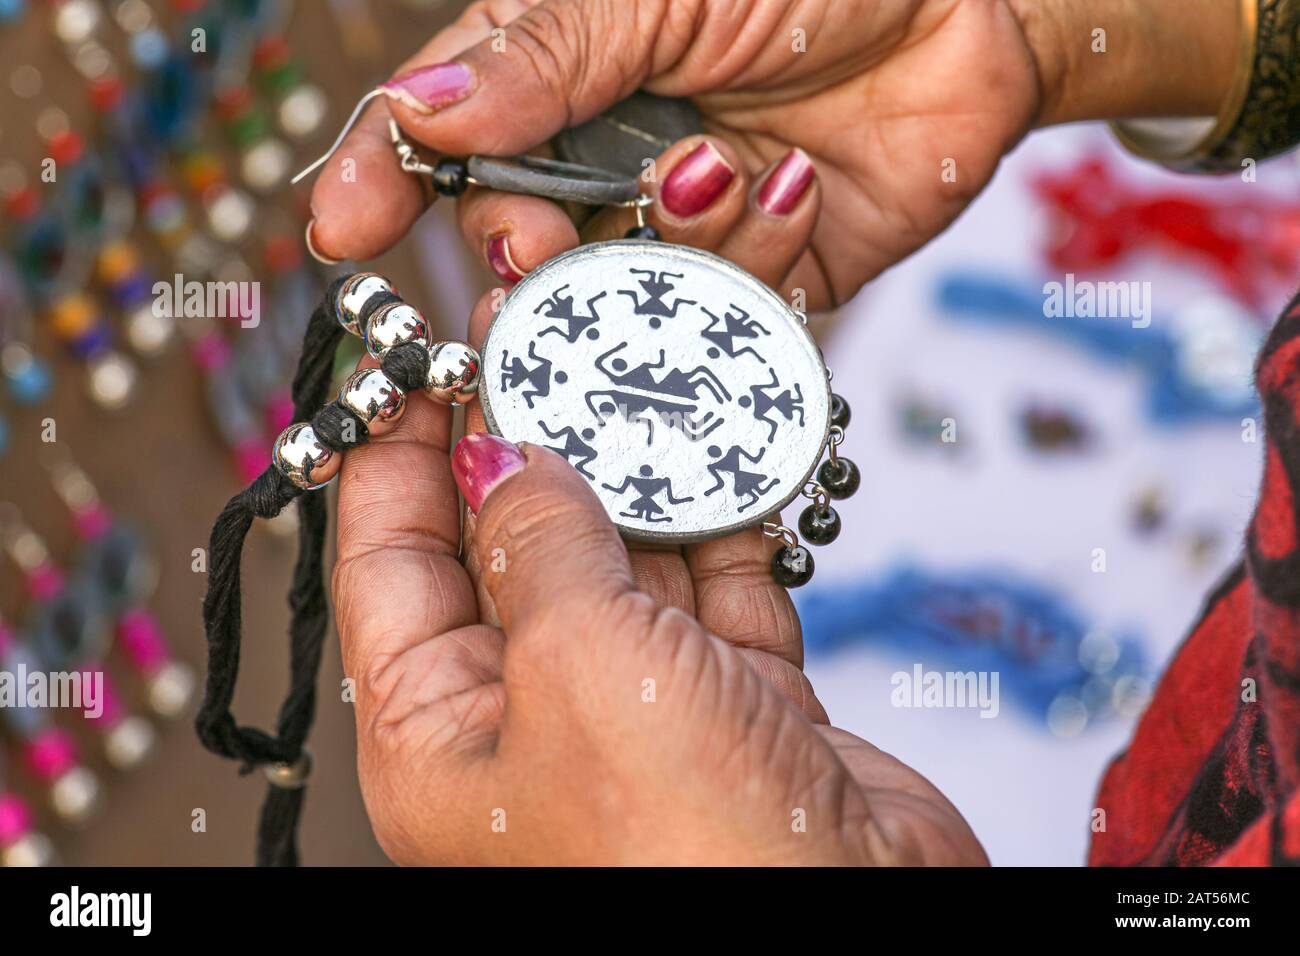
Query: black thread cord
266,497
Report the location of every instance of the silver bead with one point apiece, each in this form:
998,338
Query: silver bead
302,458
172,687
290,776
75,796
395,324
374,400
453,373
353,296
30,849
128,744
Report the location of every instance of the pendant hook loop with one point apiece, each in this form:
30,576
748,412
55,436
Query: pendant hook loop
347,128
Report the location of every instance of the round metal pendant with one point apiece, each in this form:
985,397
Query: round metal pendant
683,389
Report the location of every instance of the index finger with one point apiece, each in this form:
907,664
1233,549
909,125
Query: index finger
399,534
363,202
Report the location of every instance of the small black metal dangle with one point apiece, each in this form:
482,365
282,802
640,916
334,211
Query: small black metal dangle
819,523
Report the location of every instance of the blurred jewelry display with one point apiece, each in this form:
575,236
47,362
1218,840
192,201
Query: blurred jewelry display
1099,221
158,184
21,844
1052,660
77,621
50,754
1197,367
115,558
70,628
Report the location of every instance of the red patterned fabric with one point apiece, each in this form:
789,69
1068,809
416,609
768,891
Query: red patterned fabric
1211,774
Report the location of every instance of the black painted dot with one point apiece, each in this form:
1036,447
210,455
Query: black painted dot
647,471
714,451
607,408
713,353
619,365
655,323
589,433
743,401
561,377
593,334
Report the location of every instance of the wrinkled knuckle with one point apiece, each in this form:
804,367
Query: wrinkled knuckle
548,37
666,579
528,519
627,612
757,616
676,641
674,628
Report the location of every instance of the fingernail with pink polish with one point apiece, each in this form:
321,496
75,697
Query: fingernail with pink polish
786,184
480,462
431,88
499,258
696,181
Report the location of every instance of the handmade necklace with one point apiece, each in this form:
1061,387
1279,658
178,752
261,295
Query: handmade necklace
687,393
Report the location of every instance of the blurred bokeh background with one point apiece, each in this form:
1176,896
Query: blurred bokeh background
1046,497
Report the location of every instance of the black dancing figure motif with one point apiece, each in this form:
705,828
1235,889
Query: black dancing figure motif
560,308
655,286
787,403
745,484
515,374
645,508
574,447
634,407
674,382
735,326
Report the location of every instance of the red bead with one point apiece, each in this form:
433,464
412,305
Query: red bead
106,93
22,203
283,253
270,52
66,147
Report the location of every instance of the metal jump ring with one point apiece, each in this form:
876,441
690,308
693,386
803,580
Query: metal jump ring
773,530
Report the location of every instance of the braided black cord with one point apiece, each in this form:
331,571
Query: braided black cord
266,497
407,366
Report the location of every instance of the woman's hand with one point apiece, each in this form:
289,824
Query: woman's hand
876,94
597,723
904,107
617,703
557,697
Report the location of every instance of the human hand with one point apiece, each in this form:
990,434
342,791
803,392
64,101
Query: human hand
600,722
885,92
904,107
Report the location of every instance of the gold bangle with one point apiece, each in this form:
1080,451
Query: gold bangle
1259,118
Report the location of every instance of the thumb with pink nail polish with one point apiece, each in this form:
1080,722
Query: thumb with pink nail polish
480,462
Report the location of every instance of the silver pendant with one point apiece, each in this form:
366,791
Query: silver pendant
690,397
687,393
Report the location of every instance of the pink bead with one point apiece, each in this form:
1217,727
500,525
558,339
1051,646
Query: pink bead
52,754
93,523
44,582
251,458
211,352
279,412
15,819
142,639
112,711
